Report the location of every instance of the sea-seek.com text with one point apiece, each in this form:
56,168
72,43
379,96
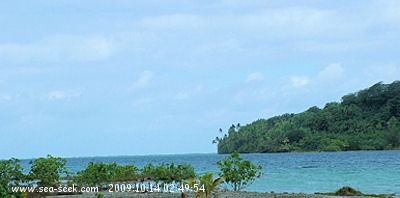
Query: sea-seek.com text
61,189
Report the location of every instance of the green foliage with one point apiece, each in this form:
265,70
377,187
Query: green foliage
351,192
163,173
237,172
95,174
48,170
393,135
147,172
99,174
126,173
348,191
10,175
207,180
168,172
365,120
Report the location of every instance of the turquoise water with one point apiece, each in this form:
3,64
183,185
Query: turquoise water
367,171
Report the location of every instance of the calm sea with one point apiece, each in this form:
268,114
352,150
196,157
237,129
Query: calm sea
367,171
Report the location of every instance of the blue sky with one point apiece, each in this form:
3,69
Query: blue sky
100,78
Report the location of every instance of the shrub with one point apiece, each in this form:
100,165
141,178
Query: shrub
10,175
126,173
95,174
238,173
206,184
99,174
168,172
48,170
348,191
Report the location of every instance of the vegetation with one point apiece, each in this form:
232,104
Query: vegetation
48,170
208,182
237,172
99,174
366,120
10,176
168,172
349,191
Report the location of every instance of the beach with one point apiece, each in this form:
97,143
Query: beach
224,194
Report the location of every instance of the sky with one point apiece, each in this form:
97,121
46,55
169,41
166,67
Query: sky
113,78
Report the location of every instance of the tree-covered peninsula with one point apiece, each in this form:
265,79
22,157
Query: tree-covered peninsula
366,120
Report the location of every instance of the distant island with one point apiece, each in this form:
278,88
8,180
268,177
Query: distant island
365,120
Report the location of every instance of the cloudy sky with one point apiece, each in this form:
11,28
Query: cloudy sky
100,78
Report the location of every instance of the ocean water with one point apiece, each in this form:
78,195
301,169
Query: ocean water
367,171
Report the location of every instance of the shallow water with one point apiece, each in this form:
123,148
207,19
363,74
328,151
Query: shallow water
367,171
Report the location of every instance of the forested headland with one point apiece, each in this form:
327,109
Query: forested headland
366,120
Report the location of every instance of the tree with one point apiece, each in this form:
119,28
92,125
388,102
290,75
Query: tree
10,175
359,122
393,135
238,173
232,130
393,107
349,99
48,170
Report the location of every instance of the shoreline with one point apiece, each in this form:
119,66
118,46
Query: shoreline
195,153
221,194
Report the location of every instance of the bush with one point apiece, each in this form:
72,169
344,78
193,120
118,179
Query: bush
126,173
10,175
48,170
205,185
237,172
95,174
99,174
348,191
183,172
147,172
168,172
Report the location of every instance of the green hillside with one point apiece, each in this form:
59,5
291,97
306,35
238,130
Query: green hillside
366,120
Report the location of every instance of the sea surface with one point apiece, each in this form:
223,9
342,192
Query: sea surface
367,171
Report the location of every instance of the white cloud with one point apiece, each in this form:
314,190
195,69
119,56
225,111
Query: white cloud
181,96
295,22
6,98
266,22
335,47
389,11
63,94
240,4
299,81
332,71
222,46
144,79
384,72
255,77
188,94
173,21
58,48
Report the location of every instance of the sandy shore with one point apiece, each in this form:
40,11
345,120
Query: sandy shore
191,195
